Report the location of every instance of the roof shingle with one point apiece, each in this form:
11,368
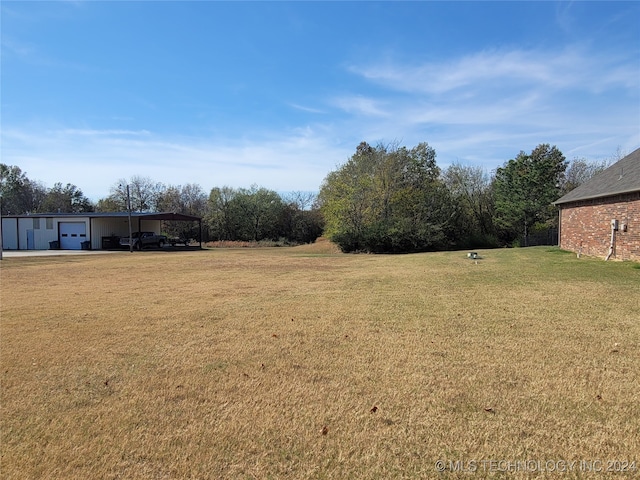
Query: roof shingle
621,177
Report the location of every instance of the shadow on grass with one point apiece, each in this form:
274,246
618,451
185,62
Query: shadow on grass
558,250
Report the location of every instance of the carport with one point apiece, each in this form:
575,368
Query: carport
171,217
108,226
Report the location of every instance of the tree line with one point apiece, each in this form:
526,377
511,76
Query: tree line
235,214
387,198
393,199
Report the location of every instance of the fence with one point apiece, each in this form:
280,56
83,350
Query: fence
545,237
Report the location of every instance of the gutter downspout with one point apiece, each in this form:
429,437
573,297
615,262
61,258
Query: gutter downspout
559,227
612,244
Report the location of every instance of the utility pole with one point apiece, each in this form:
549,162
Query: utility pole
129,216
129,210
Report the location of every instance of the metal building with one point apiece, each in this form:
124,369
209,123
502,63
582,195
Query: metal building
68,231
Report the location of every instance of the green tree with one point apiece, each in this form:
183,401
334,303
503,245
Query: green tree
260,211
19,193
65,199
111,204
386,199
247,214
223,217
525,188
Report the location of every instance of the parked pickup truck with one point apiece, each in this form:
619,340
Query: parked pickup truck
144,239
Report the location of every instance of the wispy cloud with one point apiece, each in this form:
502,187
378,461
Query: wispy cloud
306,109
359,105
20,49
487,104
572,67
482,107
90,132
33,54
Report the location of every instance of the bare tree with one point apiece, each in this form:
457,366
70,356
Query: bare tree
144,192
471,187
581,170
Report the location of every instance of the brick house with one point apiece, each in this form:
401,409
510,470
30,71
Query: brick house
602,216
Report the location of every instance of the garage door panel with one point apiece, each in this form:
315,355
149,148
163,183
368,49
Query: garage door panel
72,234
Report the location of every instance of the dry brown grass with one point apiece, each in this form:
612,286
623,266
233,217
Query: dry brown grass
268,363
321,246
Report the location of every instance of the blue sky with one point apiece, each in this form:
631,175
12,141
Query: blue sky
280,93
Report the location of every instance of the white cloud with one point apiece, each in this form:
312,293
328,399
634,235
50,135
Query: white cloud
481,108
306,109
94,159
573,67
359,105
488,105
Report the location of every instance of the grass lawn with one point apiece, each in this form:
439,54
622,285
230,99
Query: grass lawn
306,363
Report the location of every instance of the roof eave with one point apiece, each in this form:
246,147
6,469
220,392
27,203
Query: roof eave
594,197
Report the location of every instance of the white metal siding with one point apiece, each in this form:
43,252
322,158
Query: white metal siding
24,224
107,227
44,235
10,233
14,230
15,235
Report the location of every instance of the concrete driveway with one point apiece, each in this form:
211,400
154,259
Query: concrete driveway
55,253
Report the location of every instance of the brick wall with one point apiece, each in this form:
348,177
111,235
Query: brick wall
586,226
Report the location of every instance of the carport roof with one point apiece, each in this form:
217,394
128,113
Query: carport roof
140,215
161,216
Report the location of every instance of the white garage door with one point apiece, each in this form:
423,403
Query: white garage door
72,234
